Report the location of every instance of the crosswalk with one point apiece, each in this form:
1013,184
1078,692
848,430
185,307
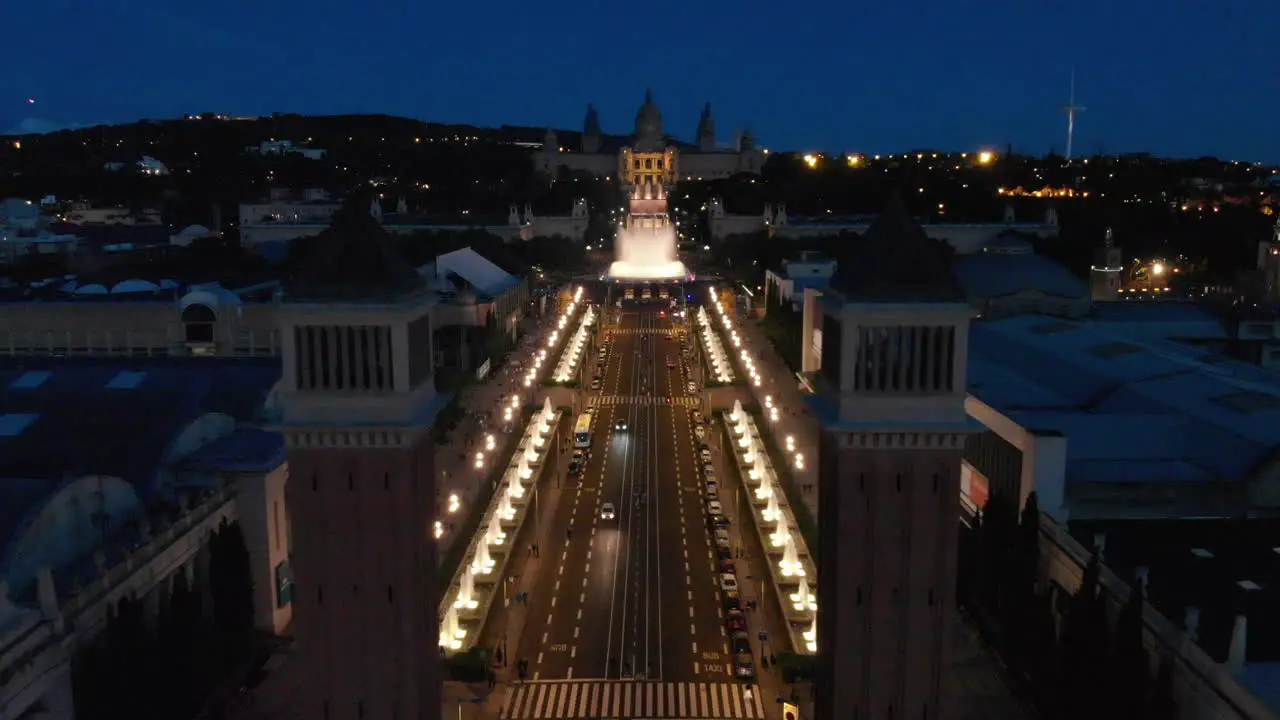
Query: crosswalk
555,700
682,401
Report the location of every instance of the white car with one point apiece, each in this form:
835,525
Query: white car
728,582
714,508
698,432
620,424
706,456
607,511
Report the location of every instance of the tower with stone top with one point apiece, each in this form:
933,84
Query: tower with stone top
891,407
1105,272
357,399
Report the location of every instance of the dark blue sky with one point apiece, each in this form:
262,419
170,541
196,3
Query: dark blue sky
1174,77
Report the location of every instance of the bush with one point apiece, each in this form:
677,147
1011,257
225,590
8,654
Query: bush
469,666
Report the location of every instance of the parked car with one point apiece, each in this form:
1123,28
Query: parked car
732,601
728,582
735,620
744,667
714,508
740,642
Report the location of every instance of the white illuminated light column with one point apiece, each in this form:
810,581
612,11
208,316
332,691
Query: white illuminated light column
505,508
483,563
466,592
451,634
495,535
515,489
790,564
811,635
803,600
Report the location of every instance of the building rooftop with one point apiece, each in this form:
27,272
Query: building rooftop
999,274
1133,410
478,271
1155,320
67,417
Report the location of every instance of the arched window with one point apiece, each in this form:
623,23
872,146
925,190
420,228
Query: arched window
197,324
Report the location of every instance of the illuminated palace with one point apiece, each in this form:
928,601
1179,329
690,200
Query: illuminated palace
648,152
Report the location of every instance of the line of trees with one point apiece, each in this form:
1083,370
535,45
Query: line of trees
1087,668
782,324
166,667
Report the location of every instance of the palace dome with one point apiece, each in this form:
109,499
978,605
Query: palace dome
649,118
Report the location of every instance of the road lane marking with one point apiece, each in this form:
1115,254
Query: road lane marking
695,647
539,658
553,601
544,638
557,586
573,651
690,612
568,675
575,633
692,629
582,597
548,618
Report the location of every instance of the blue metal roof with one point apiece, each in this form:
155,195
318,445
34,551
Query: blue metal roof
1184,320
83,425
989,275
1131,410
247,450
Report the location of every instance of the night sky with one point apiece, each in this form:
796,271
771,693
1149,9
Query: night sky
1173,77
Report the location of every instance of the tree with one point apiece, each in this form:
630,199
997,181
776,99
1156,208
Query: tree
1085,645
1130,669
231,584
1164,699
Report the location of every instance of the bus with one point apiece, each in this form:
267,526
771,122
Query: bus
582,431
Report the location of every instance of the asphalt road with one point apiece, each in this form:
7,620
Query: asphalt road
635,596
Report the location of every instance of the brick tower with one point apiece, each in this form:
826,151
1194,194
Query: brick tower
357,398
895,332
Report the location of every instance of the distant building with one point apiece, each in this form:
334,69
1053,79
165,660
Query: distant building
610,157
964,237
267,226
286,147
812,270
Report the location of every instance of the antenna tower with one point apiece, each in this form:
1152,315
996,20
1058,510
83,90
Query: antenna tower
1072,109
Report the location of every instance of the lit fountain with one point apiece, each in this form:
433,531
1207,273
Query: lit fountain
495,535
506,510
802,599
811,635
515,489
523,468
771,512
765,489
790,564
647,240
737,413
467,592
758,469
451,634
780,535
483,563
530,453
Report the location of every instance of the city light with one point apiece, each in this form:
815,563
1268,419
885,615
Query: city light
454,504
811,160
985,157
